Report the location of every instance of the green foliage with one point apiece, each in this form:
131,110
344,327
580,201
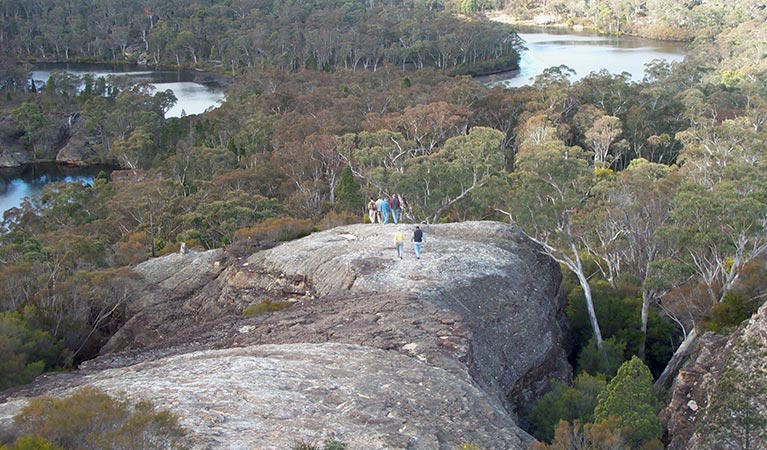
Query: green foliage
606,361
729,313
619,312
199,35
264,307
333,444
348,196
215,223
25,351
30,442
629,398
91,419
568,403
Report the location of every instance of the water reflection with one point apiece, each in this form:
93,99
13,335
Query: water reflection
194,97
25,181
587,53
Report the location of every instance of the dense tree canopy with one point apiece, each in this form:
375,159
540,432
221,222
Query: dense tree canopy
239,34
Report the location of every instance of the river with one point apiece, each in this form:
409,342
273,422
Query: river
194,96
18,183
586,53
583,52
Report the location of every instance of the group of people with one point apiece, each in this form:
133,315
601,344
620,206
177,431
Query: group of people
379,210
418,239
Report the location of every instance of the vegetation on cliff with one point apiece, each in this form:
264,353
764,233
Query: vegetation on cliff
92,419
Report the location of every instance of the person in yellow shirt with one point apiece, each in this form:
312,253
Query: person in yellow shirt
399,242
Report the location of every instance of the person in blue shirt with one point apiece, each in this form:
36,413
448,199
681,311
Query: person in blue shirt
384,210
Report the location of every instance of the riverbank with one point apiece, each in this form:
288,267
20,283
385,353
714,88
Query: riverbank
551,21
539,21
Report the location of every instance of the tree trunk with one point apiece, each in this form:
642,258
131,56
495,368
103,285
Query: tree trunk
590,307
676,359
645,319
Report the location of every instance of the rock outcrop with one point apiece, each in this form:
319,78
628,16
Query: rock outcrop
691,417
79,147
12,154
378,351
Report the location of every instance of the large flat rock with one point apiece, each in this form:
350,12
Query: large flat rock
423,353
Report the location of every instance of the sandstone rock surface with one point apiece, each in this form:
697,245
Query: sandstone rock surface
378,351
80,147
696,389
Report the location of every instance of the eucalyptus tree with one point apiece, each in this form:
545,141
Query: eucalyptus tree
624,227
720,210
549,189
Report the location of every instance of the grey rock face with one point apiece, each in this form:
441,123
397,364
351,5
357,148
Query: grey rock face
384,352
9,158
697,387
271,396
79,149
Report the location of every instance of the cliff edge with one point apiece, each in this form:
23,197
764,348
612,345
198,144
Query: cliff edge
376,351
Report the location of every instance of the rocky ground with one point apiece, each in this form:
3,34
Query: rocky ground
376,351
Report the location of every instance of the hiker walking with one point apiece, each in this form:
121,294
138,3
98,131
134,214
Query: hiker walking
399,242
384,210
418,240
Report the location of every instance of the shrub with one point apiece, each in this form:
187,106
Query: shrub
729,313
265,307
568,403
605,362
276,229
91,419
301,445
629,399
333,444
329,444
25,351
334,219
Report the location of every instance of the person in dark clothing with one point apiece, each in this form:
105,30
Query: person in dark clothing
418,240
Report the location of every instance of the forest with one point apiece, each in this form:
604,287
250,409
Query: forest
651,194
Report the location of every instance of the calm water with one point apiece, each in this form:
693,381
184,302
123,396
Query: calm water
586,53
193,97
582,52
18,183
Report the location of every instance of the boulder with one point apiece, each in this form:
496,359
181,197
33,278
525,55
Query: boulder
12,153
378,351
80,147
13,158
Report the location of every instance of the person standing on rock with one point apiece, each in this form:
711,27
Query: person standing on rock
372,210
396,206
384,210
379,207
418,240
399,242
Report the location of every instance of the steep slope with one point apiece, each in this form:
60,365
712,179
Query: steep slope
718,398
